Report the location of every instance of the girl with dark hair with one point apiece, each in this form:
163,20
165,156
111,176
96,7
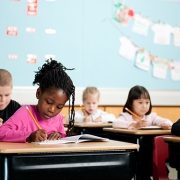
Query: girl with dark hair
137,112
43,121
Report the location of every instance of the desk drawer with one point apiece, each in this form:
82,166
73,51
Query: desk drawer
87,166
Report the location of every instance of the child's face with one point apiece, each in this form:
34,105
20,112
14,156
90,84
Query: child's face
50,102
5,96
91,103
141,106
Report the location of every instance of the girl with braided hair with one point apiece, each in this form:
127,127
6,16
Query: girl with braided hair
32,123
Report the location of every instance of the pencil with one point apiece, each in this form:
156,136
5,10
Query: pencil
135,115
33,118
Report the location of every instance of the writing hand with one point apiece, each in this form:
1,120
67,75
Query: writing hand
98,119
138,124
88,118
54,136
36,136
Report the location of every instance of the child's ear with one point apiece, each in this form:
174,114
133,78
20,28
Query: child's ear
38,93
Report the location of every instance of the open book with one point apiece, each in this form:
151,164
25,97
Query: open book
74,139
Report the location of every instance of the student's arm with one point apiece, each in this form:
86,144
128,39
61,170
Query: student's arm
124,120
175,130
18,127
160,121
106,117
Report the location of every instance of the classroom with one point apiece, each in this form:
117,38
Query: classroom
110,44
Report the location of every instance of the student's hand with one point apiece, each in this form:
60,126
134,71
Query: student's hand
137,124
36,136
88,118
98,119
54,136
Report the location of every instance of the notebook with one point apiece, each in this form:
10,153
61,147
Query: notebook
74,139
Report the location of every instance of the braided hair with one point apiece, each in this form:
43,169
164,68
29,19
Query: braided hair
52,74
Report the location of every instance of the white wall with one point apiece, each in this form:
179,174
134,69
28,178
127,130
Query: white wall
109,96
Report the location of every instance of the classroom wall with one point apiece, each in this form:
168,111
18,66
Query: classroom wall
85,35
109,96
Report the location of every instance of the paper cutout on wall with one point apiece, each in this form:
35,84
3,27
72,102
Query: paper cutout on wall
175,70
162,33
32,7
160,68
31,58
30,29
142,59
12,56
141,25
123,14
176,33
127,48
50,31
12,31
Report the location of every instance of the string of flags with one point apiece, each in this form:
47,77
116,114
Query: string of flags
143,58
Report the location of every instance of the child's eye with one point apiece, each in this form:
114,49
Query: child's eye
60,107
49,102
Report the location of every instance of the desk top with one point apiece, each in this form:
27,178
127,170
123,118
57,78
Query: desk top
139,131
6,147
92,125
172,138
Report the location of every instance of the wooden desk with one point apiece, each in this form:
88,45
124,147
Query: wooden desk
139,131
95,128
145,140
174,151
93,125
88,160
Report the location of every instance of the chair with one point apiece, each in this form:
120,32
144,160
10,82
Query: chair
160,155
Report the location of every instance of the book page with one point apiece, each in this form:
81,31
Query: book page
74,139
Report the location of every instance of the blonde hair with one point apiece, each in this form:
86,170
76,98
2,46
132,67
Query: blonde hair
5,78
90,91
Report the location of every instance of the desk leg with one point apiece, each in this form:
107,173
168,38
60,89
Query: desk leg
4,168
178,173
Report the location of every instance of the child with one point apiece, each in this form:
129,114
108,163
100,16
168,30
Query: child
90,111
176,128
43,121
7,105
139,103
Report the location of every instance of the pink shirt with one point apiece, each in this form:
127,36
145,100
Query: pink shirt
19,126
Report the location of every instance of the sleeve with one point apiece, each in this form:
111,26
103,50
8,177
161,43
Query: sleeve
14,129
123,121
175,130
160,121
